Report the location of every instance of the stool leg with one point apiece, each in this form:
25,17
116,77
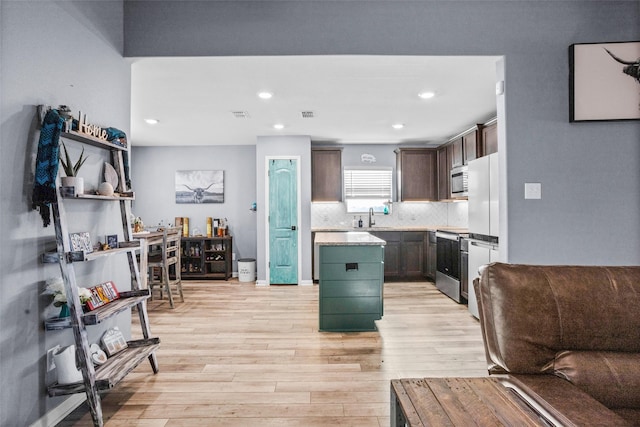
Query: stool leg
165,279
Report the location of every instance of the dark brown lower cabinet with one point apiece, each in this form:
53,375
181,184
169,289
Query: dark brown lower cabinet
392,254
404,255
432,251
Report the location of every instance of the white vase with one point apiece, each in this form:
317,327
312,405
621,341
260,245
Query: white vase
77,182
65,361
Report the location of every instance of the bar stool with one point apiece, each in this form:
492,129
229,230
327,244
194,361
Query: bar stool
168,255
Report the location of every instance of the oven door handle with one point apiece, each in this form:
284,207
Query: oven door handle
447,236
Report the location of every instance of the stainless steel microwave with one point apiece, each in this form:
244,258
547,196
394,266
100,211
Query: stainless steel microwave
459,182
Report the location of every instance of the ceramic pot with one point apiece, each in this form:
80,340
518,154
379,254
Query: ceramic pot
76,182
64,311
65,361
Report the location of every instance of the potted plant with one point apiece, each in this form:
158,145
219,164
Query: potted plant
55,287
71,170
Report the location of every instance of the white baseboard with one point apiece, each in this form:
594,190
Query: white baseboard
57,414
302,283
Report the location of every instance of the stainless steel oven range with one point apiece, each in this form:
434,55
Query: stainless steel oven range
448,262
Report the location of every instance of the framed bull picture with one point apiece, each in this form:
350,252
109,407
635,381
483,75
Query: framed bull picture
200,186
604,81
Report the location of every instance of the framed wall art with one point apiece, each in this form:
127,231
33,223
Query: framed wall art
200,186
604,81
81,242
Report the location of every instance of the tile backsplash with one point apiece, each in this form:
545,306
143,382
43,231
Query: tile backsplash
453,214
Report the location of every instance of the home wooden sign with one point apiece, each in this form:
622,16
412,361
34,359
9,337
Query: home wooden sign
89,129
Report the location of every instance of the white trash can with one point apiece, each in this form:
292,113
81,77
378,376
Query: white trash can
246,270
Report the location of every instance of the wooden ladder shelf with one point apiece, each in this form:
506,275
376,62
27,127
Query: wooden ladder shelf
108,375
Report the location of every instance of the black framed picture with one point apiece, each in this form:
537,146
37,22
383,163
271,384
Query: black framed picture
200,186
112,240
604,81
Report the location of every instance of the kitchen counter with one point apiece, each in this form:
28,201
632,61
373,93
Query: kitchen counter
347,238
382,228
351,281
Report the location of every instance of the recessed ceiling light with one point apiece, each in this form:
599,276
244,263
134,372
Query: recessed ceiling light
426,95
265,95
397,126
278,126
151,121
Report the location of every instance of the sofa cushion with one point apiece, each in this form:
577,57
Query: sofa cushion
631,415
530,313
612,378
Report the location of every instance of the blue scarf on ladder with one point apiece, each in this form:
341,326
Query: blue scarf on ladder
44,187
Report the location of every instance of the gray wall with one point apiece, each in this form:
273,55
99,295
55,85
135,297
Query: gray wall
52,53
153,178
590,210
70,52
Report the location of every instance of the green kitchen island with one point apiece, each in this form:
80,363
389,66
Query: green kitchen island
351,281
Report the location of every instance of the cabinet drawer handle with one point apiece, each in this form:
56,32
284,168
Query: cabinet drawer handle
351,266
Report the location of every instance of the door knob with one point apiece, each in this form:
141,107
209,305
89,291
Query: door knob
293,228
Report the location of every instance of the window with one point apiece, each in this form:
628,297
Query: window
368,188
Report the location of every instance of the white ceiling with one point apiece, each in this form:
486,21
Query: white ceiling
354,99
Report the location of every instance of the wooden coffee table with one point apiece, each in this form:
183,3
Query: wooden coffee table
458,402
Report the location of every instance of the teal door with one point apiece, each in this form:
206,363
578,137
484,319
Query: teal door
283,221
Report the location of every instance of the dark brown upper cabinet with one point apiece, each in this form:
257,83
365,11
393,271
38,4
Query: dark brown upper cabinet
471,146
457,156
417,174
444,170
326,175
490,138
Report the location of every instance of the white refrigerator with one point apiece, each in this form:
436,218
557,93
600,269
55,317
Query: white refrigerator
483,219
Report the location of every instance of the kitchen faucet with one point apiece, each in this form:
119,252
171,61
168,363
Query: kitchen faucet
371,220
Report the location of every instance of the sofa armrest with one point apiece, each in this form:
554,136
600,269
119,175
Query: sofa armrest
560,402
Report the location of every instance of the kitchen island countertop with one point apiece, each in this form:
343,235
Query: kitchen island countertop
347,238
384,228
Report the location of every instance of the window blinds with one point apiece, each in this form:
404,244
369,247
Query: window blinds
368,183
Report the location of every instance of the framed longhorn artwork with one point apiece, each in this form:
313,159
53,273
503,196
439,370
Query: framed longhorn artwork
200,186
604,81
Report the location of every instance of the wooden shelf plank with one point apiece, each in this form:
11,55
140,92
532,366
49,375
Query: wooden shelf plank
127,196
86,139
115,369
81,256
127,300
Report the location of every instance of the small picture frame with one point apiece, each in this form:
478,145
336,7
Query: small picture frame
80,242
68,191
113,341
112,240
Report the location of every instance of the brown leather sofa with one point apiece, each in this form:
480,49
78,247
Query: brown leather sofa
568,337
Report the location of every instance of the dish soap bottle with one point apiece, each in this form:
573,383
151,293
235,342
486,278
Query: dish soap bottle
360,222
354,223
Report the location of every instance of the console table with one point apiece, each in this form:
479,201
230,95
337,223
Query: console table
458,402
207,257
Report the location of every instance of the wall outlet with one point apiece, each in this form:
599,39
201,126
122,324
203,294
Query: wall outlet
50,365
233,256
532,190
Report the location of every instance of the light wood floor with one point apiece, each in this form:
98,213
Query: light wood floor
234,354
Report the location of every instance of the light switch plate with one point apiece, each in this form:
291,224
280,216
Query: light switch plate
532,190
